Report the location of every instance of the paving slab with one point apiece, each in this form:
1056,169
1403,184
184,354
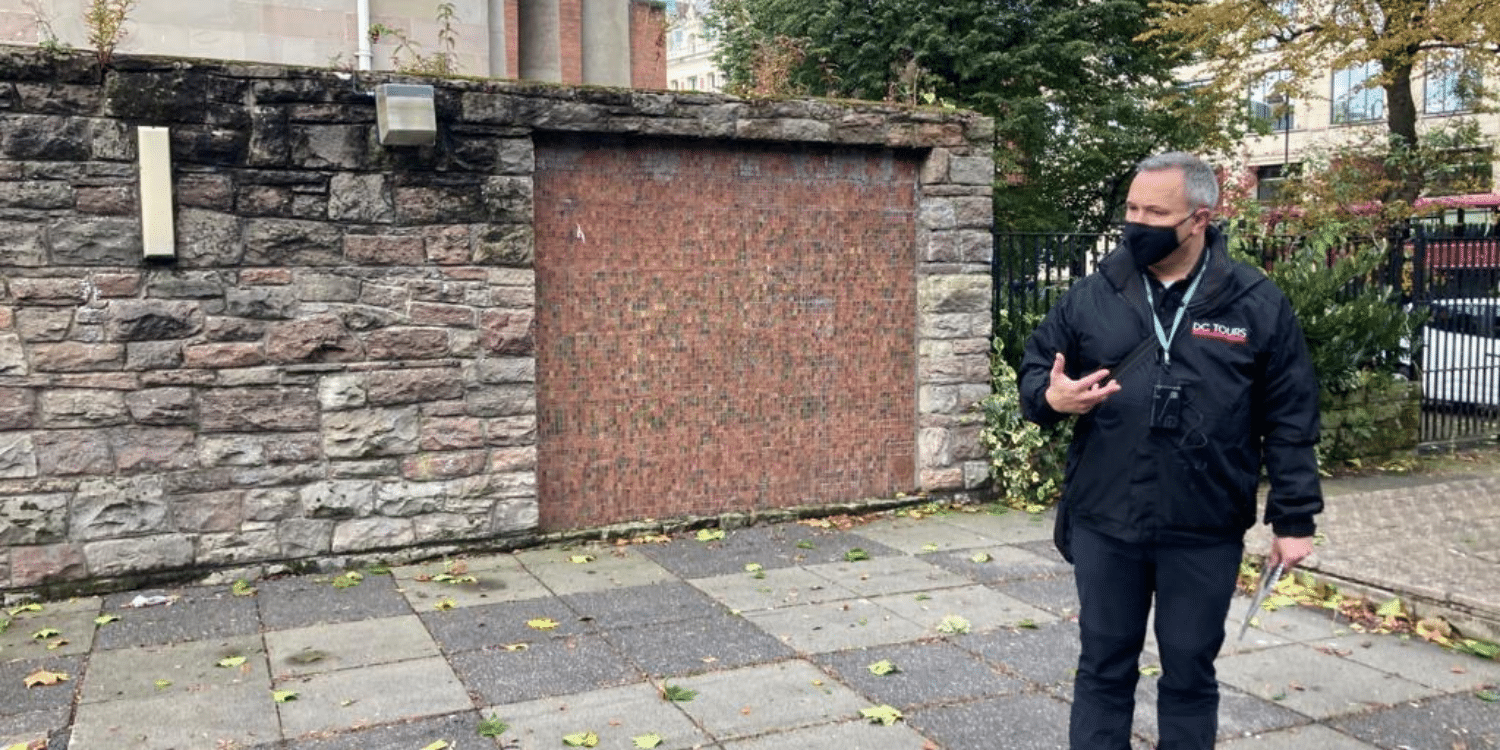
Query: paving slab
835,626
363,696
593,567
494,625
750,701
887,575
1046,655
929,672
1014,722
1442,723
1314,683
770,589
555,666
921,536
773,546
36,728
326,648
241,714
496,578
851,735
16,698
309,600
1239,714
1297,738
984,608
1004,525
1058,595
459,730
1416,660
174,669
699,645
655,603
72,619
1001,562
614,715
193,614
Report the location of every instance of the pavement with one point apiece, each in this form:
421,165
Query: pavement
767,638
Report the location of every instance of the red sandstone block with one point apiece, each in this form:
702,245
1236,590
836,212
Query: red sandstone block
445,465
30,566
116,284
7,317
433,314
449,433
217,356
71,356
390,250
406,343
265,276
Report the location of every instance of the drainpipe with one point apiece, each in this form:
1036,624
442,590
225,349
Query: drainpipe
362,30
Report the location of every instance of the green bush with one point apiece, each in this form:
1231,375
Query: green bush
1026,461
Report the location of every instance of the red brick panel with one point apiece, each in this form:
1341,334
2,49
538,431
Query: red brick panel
570,39
721,328
648,45
513,38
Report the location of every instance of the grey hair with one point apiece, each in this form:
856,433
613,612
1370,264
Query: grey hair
1200,183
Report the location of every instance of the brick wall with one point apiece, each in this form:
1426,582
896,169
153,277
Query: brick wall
342,361
756,348
513,37
648,44
570,39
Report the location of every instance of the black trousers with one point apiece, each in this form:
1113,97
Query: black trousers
1192,586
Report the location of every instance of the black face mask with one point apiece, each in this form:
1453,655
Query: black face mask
1148,245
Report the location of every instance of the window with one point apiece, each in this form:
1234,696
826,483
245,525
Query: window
1271,178
1356,98
1451,86
1270,106
1286,9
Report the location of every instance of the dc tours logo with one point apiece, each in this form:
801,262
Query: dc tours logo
1218,332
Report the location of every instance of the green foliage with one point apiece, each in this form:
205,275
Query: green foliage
492,726
1026,461
105,21
1076,100
408,57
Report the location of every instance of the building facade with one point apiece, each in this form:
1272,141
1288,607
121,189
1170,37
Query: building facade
690,48
598,42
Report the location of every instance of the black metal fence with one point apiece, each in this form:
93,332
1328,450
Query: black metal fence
1451,272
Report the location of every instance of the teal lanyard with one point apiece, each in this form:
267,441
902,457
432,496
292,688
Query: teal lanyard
1165,337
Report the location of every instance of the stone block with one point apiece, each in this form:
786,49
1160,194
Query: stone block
18,458
417,385
360,199
937,214
954,325
237,547
261,303
515,516
209,511
450,433
372,533
508,332
209,239
222,356
406,343
954,293
935,168
255,409
423,467
385,249
302,537
345,391
72,356
153,355
972,170
24,243
448,246
183,284
95,241
271,504
336,147
12,356
435,527
39,194
340,498
161,406
110,285
35,324
139,449
934,448
117,557
153,320
504,370
61,453
511,245
37,518
202,190
941,478
519,458
320,338
370,432
502,401
17,408
49,291
82,407
30,566
410,498
508,200
111,508
513,430
314,286
448,316
292,242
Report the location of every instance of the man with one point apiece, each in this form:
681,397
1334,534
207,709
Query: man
1188,373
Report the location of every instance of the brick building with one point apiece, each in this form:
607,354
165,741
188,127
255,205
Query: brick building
602,42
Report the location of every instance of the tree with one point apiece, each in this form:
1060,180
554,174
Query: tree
1241,41
1076,101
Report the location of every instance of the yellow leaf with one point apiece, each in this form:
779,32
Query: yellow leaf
163,684
283,696
516,646
581,559
439,745
1391,608
710,535
542,623
881,715
647,741
103,620
33,607
445,604
57,644
581,739
46,633
46,678
231,661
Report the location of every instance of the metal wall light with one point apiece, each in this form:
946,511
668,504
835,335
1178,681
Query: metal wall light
154,152
405,114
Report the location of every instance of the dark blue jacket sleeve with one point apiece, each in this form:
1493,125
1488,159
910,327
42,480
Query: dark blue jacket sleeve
1288,429
1052,336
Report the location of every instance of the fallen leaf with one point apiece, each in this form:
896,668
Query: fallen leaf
1488,696
46,633
516,646
881,715
444,604
32,607
439,745
883,668
46,678
242,587
542,623
38,744
647,741
348,580
57,644
283,696
581,739
492,726
710,535
231,661
981,557
162,684
856,555
678,694
103,620
930,547
953,625
453,580
581,559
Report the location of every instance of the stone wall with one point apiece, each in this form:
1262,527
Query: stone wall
1380,419
341,359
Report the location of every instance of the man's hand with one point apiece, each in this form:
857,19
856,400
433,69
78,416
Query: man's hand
1289,551
1070,396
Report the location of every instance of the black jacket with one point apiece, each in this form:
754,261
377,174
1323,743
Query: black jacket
1249,392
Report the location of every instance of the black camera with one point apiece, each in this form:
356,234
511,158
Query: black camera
1166,408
